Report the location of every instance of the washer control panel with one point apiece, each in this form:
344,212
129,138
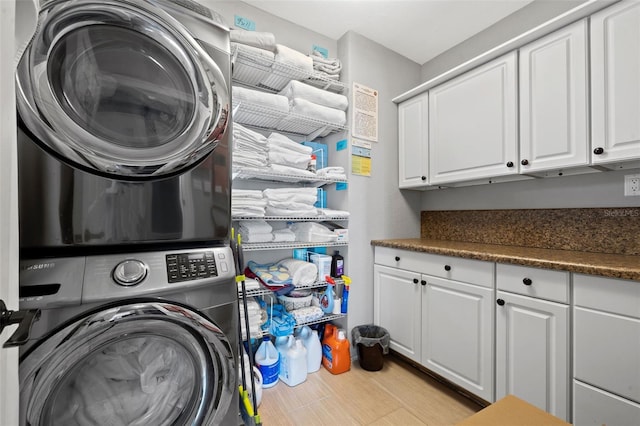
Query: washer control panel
191,266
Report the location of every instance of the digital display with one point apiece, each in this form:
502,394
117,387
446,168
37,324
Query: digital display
191,266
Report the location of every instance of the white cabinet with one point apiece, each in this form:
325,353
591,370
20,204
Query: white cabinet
439,312
553,101
473,124
532,337
457,337
606,347
615,86
413,142
397,304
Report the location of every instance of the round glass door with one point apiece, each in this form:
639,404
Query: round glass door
120,88
146,363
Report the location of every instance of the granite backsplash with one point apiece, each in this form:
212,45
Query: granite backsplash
598,230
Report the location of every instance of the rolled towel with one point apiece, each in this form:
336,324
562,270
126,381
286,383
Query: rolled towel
296,89
319,112
302,273
261,40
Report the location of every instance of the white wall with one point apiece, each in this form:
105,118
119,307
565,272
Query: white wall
378,208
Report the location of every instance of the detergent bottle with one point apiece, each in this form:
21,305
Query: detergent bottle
336,356
283,344
326,301
296,364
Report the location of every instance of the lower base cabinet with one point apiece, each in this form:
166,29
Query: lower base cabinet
595,407
532,352
457,337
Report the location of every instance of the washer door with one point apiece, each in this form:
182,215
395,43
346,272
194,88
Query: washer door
120,88
136,363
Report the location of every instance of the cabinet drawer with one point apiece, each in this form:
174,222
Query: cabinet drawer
606,348
607,294
534,282
593,406
453,268
401,259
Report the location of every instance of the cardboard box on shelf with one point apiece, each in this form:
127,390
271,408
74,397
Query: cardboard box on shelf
510,411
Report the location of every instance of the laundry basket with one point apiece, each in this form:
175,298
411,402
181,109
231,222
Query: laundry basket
372,342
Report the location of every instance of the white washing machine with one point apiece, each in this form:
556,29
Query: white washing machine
142,339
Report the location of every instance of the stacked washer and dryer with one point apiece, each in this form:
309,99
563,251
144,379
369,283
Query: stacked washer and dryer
124,187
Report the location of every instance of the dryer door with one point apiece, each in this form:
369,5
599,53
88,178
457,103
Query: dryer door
132,363
121,88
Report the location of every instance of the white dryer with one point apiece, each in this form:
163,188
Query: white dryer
142,339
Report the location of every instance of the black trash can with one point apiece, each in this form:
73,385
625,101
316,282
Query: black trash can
372,342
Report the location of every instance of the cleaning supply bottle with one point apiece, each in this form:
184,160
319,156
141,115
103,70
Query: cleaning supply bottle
336,356
337,264
326,301
283,344
296,364
313,346
268,362
345,294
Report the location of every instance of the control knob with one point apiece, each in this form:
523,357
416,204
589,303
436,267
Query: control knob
129,272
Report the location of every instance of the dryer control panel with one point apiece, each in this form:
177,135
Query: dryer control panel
191,266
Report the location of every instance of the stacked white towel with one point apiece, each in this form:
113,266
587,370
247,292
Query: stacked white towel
272,101
327,67
283,235
247,203
286,152
296,89
319,112
291,201
249,148
255,231
290,63
332,173
257,317
260,40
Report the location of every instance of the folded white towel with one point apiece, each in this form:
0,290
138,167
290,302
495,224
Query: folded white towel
330,170
289,56
257,226
300,195
302,273
246,193
243,202
261,40
277,139
289,158
257,237
333,213
240,131
291,205
247,212
283,235
269,100
258,55
319,112
296,89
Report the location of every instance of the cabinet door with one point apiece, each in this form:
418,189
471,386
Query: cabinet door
532,353
396,307
413,142
457,339
553,101
472,124
615,86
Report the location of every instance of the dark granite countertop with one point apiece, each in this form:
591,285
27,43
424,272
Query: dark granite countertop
603,264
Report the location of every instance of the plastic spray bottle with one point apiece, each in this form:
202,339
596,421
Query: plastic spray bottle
326,301
345,294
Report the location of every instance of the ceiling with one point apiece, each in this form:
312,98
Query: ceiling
417,29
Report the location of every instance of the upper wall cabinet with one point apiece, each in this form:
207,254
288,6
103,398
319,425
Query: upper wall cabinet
553,101
615,84
413,142
473,124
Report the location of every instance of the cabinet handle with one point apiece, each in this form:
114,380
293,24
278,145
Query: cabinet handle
415,281
524,162
510,164
598,151
397,259
500,302
423,282
447,268
424,178
527,281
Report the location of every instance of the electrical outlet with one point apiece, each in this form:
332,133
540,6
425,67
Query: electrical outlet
631,185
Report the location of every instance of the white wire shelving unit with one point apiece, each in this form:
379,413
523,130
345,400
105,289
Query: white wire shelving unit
249,173
248,247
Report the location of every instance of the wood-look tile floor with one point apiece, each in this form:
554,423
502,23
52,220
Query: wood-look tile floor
399,394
